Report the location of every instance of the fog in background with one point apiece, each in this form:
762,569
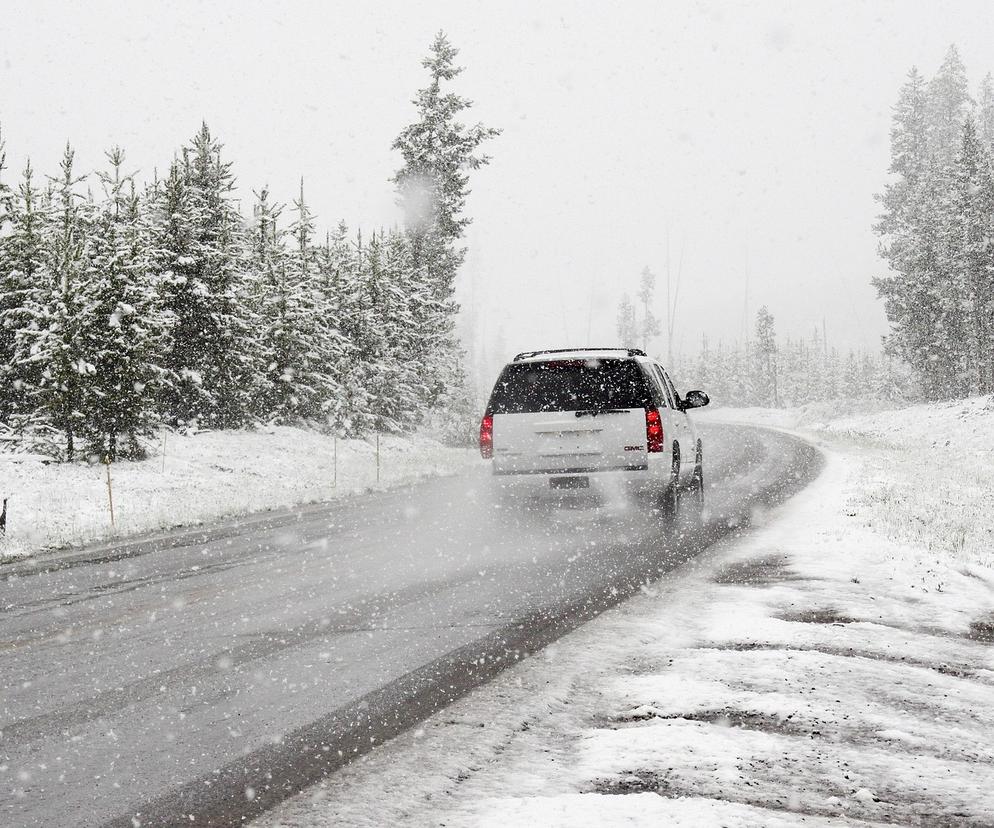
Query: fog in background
748,138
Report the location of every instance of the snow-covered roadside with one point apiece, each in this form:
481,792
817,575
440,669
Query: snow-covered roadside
834,665
203,477
928,470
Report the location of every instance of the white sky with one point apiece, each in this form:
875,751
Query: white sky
753,134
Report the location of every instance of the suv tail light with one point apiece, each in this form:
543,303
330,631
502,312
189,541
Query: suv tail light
487,436
654,440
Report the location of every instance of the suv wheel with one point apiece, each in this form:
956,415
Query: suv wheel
670,501
696,492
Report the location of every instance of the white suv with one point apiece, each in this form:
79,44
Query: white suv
593,418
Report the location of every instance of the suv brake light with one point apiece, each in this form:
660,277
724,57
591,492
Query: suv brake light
487,436
654,440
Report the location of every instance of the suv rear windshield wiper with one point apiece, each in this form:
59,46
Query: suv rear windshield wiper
593,412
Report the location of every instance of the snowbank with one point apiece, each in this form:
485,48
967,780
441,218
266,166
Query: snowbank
833,664
199,478
929,473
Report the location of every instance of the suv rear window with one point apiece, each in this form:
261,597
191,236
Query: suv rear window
569,385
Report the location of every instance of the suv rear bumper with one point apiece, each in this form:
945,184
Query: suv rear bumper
558,472
631,480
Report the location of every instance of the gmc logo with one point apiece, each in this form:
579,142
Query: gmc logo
634,448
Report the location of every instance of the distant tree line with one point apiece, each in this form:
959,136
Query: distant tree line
143,304
937,228
765,372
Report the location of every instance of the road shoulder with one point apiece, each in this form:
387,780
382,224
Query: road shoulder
201,480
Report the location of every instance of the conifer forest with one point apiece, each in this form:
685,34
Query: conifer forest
127,303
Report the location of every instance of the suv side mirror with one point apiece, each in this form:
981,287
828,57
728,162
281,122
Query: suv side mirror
695,399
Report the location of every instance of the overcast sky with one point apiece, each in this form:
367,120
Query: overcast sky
751,135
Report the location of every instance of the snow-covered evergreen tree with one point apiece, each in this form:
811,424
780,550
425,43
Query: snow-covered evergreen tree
122,324
299,345
337,281
405,305
934,227
49,344
201,255
649,325
6,193
358,325
985,112
626,324
439,152
433,184
948,103
970,299
765,360
12,287
25,277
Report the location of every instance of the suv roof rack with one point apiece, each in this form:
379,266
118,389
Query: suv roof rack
632,352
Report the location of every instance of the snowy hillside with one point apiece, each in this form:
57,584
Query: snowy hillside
193,479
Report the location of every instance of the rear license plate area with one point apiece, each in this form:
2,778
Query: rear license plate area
572,482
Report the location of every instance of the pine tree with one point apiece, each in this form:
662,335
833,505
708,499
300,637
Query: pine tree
122,325
438,152
947,105
851,377
985,113
357,416
50,343
765,360
336,277
12,291
6,193
650,325
24,276
298,345
432,185
626,324
971,288
405,304
202,258
917,226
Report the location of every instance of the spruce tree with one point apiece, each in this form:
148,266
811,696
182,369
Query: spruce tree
201,257
438,153
336,268
626,324
50,344
356,415
947,105
985,113
11,290
297,343
765,360
649,327
23,278
432,185
6,193
123,321
915,227
970,287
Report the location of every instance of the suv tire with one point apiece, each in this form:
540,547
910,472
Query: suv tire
670,499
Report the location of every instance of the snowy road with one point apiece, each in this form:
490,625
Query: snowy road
215,673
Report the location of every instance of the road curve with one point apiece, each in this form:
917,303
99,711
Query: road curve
213,673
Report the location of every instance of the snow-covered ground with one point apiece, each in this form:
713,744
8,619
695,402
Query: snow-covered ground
833,665
198,478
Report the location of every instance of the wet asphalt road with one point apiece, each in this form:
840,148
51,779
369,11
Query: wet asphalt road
215,672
